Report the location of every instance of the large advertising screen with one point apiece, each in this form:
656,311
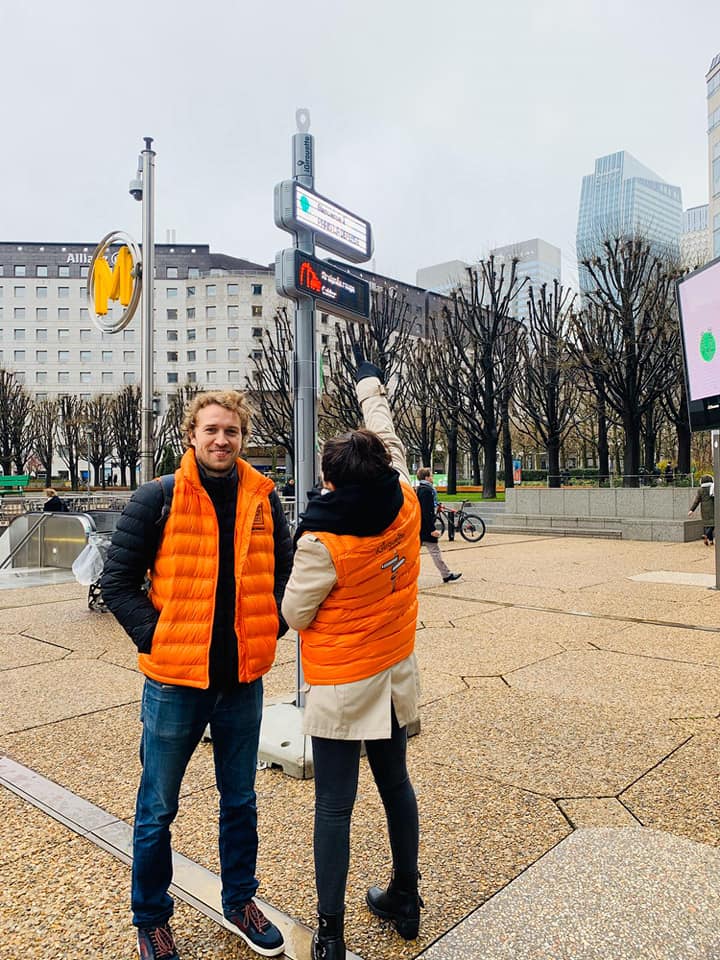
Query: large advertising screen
699,304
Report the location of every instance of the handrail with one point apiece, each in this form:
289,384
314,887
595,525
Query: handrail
18,546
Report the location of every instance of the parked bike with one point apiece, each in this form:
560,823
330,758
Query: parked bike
470,526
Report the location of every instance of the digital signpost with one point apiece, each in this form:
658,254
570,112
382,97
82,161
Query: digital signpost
698,296
300,275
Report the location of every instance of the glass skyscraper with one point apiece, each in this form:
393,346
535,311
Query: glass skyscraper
622,197
713,105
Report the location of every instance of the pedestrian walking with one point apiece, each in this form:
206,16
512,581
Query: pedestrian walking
54,503
353,597
705,499
219,555
429,536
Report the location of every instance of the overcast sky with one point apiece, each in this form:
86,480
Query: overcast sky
452,125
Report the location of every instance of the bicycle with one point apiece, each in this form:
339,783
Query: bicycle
471,527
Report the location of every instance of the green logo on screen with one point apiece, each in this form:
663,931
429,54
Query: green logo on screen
708,346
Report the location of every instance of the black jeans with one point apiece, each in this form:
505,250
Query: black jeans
337,764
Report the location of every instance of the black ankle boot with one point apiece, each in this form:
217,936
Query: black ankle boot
400,904
328,942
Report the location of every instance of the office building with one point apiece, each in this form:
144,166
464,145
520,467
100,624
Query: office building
622,197
538,263
713,106
695,239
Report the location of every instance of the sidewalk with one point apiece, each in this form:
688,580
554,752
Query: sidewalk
567,771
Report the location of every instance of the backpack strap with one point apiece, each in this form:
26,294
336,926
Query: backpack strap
167,483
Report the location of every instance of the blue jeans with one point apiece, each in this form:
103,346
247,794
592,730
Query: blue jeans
174,719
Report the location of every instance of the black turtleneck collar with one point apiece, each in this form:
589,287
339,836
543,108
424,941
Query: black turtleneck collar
358,510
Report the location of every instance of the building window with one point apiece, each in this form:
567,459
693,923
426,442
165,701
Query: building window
210,290
63,356
41,292
211,354
172,334
190,291
41,271
19,356
192,376
84,334
192,356
233,289
233,333
257,311
19,293
84,271
63,333
172,314
106,376
85,356
41,376
233,312
172,377
63,314
257,289
19,333
63,292
41,333
19,313
107,356
191,313
172,273
128,356
63,271
257,331
323,318
193,273
172,356
63,376
83,293
210,313
85,376
41,356
128,334
233,376
191,333
19,270
84,315
211,333
172,291
211,376
20,376
256,354
129,377
233,354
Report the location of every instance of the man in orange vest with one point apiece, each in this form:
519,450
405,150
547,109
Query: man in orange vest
353,597
219,556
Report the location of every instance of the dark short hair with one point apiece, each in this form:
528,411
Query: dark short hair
424,473
359,456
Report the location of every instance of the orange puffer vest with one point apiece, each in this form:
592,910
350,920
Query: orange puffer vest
367,621
184,580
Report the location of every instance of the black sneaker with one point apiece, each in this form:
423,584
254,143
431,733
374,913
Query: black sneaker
256,930
451,576
156,943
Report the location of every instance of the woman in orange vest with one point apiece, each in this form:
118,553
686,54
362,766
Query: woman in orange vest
353,597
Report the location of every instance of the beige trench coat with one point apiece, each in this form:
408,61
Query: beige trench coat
359,710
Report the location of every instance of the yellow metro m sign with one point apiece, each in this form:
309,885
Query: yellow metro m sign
120,282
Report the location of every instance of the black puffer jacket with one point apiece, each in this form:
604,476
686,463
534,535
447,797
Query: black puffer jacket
426,495
132,552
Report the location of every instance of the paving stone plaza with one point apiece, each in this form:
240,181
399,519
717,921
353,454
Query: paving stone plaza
567,769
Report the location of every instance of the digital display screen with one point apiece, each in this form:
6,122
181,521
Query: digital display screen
325,217
333,287
699,300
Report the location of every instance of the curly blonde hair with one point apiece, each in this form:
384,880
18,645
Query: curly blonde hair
232,400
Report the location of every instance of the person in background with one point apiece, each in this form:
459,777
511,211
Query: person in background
288,489
429,536
53,504
352,595
705,499
206,634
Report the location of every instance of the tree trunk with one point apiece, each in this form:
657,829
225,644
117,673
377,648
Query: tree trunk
603,448
475,461
490,469
631,460
684,440
452,452
507,450
553,455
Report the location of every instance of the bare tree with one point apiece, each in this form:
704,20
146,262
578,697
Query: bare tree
547,397
633,285
125,416
45,415
72,422
417,418
269,386
97,435
169,446
14,412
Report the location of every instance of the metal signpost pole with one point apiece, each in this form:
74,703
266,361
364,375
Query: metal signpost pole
147,321
305,412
